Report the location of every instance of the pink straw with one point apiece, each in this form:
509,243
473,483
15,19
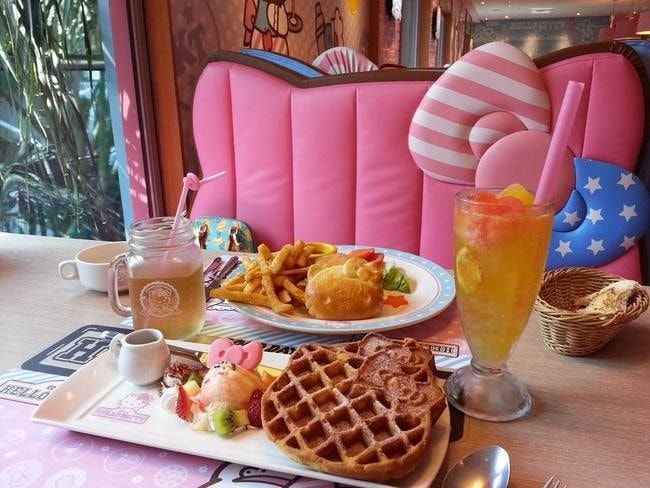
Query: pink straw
190,182
559,140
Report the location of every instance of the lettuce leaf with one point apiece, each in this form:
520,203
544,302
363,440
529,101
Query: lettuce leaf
395,279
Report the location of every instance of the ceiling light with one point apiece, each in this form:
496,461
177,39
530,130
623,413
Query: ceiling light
507,16
578,13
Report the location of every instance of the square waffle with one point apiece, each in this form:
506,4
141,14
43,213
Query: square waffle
362,410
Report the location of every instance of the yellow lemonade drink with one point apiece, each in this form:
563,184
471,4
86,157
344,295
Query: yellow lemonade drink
501,246
167,296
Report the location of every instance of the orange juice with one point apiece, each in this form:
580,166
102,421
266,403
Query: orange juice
500,254
170,298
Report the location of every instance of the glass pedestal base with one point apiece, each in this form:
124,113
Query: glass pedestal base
488,394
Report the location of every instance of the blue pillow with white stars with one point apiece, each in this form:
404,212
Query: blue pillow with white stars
604,217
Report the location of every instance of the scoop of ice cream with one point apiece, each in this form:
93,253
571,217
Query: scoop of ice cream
229,384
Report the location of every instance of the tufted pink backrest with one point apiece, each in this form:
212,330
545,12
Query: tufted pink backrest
323,163
328,159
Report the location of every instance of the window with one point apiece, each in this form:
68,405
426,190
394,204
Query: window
57,158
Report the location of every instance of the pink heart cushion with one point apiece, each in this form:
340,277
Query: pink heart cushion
520,157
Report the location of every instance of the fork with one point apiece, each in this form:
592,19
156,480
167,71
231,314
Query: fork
553,482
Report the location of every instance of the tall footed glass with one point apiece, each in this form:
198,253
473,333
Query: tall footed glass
500,247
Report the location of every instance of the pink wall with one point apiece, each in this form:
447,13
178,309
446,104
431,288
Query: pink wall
129,108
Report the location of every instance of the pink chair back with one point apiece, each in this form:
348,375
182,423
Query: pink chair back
327,159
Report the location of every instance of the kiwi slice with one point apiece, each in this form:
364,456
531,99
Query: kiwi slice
222,422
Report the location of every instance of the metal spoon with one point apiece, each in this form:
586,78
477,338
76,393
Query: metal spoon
488,467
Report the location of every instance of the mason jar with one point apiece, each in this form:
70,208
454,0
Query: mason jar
164,270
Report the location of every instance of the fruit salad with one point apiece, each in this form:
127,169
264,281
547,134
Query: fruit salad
222,396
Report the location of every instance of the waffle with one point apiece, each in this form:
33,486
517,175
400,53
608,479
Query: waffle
362,410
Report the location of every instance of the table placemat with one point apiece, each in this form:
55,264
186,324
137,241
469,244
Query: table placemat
31,453
442,333
39,455
73,351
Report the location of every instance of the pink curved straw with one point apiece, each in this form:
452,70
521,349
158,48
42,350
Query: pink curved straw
190,182
559,140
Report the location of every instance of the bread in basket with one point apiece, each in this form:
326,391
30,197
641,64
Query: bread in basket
565,329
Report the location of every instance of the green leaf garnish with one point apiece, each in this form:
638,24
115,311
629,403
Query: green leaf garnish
395,279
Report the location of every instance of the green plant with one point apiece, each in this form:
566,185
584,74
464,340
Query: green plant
57,169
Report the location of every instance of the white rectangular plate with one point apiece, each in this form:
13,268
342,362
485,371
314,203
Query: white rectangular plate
96,400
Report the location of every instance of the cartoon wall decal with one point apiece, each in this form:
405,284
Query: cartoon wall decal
267,24
329,34
295,21
354,6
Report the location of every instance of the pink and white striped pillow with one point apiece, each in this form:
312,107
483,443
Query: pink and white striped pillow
490,92
339,60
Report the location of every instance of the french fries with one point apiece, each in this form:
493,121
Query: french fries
273,279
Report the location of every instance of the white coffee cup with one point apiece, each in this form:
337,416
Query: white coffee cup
142,355
90,266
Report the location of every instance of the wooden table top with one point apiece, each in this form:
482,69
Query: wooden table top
591,426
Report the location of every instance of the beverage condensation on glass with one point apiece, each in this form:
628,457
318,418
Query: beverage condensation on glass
165,278
500,248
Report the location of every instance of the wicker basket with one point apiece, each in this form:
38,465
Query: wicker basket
576,334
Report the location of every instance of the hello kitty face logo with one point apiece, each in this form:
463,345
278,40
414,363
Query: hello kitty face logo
131,409
136,401
159,299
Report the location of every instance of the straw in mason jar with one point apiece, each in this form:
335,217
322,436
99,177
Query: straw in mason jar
190,182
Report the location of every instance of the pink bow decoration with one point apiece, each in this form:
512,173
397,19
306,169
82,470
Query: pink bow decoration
248,356
491,92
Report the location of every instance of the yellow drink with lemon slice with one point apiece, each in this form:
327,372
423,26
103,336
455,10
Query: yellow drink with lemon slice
501,249
501,243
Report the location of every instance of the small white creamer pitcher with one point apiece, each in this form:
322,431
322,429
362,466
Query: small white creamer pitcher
142,355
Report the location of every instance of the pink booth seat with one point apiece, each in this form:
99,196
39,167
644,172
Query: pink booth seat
327,159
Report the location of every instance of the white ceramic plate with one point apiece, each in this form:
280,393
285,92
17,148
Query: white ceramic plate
433,292
96,400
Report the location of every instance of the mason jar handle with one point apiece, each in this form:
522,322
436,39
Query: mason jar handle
113,286
68,270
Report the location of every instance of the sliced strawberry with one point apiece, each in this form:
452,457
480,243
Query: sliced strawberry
255,409
183,404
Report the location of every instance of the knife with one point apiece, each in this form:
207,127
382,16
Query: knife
227,268
211,271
